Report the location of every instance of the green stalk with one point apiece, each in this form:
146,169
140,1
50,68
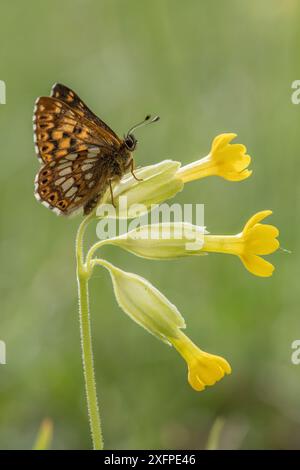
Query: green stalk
83,275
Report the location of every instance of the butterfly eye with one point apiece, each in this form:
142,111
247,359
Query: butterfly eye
130,142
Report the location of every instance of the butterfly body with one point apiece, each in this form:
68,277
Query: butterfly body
81,155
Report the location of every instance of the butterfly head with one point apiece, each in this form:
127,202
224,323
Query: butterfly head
129,140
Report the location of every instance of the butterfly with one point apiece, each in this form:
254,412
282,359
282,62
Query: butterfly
81,155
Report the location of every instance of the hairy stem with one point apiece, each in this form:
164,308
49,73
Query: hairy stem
83,275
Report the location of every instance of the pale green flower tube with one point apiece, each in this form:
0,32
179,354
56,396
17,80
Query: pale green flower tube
133,198
161,241
144,303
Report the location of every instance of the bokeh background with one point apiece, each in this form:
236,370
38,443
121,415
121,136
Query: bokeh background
206,68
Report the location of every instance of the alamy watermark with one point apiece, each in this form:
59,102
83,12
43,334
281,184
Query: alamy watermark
176,220
295,97
2,92
295,357
2,352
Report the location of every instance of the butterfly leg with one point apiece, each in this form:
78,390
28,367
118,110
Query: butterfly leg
132,171
112,194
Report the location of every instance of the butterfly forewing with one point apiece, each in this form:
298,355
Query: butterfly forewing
60,130
69,97
76,148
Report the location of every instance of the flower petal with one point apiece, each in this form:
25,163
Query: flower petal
261,239
222,140
208,369
240,162
203,368
257,265
230,160
258,217
242,175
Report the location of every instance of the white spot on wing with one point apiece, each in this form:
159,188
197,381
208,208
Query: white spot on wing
65,171
59,181
71,157
57,211
64,164
71,191
67,184
46,204
87,166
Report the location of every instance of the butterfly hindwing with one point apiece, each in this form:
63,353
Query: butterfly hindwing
68,183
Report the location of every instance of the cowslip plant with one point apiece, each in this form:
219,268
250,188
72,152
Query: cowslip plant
137,297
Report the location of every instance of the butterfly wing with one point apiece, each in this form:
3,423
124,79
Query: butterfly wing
68,183
69,97
60,130
77,150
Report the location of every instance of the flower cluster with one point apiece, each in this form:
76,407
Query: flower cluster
144,303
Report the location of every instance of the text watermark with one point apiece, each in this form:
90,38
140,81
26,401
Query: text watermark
178,218
2,352
295,357
295,97
2,92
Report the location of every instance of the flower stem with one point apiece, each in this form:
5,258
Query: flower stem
83,275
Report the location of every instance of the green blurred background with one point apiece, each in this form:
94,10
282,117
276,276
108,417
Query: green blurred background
205,67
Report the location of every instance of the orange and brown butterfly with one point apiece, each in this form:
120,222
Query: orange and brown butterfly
81,155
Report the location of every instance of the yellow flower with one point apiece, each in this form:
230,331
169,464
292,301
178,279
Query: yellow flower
180,239
255,239
227,160
148,307
203,368
162,181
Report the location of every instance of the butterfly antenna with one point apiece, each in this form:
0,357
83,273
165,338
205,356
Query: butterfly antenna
147,120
